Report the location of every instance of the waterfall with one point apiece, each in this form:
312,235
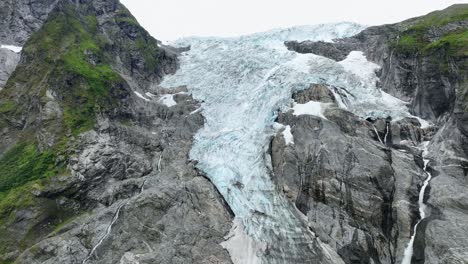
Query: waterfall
422,213
377,133
386,134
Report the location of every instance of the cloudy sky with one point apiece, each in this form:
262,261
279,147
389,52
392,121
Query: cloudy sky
171,19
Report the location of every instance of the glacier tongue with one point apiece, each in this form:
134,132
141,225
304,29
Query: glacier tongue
243,82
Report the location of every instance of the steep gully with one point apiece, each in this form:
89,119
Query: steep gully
242,82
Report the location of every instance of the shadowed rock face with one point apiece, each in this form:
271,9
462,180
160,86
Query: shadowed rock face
356,193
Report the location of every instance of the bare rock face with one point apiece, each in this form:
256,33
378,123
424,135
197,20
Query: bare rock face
20,18
357,194
317,92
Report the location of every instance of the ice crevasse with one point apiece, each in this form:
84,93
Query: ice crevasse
243,82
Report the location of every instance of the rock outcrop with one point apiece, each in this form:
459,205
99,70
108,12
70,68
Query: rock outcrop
357,193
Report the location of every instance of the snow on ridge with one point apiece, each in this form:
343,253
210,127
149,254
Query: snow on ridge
15,49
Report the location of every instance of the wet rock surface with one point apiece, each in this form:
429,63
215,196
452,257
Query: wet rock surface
357,194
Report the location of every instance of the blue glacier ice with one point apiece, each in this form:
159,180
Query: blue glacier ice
243,82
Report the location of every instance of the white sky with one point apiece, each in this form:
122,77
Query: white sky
172,19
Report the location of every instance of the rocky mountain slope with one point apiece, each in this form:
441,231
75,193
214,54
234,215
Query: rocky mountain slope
91,172
118,149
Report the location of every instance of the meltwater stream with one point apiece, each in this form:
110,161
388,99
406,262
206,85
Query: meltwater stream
408,254
243,82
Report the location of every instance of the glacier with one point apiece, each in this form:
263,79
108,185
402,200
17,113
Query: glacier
243,83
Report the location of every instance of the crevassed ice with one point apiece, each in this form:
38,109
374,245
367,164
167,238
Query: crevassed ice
243,81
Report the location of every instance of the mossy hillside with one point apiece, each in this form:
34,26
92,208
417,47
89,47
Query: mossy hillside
73,58
60,49
440,18
414,39
23,163
73,47
66,56
440,41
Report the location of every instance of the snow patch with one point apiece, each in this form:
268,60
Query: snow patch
150,95
288,136
241,247
141,96
50,95
358,64
310,108
168,100
424,123
15,49
196,111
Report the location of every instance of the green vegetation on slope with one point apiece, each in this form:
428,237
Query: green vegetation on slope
74,49
416,38
70,58
67,54
24,163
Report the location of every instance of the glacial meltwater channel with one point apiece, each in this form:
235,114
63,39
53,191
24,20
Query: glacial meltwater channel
243,82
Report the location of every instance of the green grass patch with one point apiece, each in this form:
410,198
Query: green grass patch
414,40
70,45
6,107
455,44
441,18
24,163
16,198
410,44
